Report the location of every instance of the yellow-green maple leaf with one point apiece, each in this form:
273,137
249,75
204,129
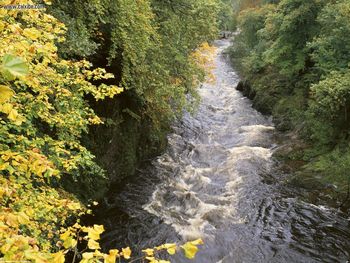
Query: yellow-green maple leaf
5,93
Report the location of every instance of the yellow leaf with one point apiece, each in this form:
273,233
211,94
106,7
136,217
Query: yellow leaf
22,218
126,252
5,93
77,226
171,248
31,33
70,242
94,233
11,220
92,244
6,108
99,254
19,120
88,255
190,250
148,251
65,235
13,115
58,257
35,256
114,252
110,259
152,260
99,228
197,242
3,166
74,206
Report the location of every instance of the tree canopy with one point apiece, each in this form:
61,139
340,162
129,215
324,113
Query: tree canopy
57,64
296,56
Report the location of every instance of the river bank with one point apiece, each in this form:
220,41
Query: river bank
292,155
218,180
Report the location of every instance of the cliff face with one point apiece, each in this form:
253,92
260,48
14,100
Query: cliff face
127,139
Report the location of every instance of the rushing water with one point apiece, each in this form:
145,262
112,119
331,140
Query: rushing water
218,181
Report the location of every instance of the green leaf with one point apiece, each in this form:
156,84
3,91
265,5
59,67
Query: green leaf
13,67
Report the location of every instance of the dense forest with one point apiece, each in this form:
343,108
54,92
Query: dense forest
81,79
294,56
89,90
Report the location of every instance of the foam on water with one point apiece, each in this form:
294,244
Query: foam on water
211,183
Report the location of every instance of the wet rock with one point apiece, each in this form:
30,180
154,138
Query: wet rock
246,89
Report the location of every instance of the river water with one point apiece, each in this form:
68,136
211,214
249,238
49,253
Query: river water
218,181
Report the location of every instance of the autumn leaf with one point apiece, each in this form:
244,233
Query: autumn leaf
197,242
11,220
69,242
126,252
111,258
74,206
114,252
31,33
92,244
22,218
58,257
13,114
94,232
65,235
87,256
152,259
148,251
5,93
190,250
171,248
6,108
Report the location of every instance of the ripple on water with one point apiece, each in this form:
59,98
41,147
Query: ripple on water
211,186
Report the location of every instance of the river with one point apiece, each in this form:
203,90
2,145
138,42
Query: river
218,181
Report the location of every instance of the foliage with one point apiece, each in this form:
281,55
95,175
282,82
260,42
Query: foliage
334,166
246,4
43,115
331,46
330,105
227,18
295,55
147,45
249,44
45,111
72,236
82,20
289,29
